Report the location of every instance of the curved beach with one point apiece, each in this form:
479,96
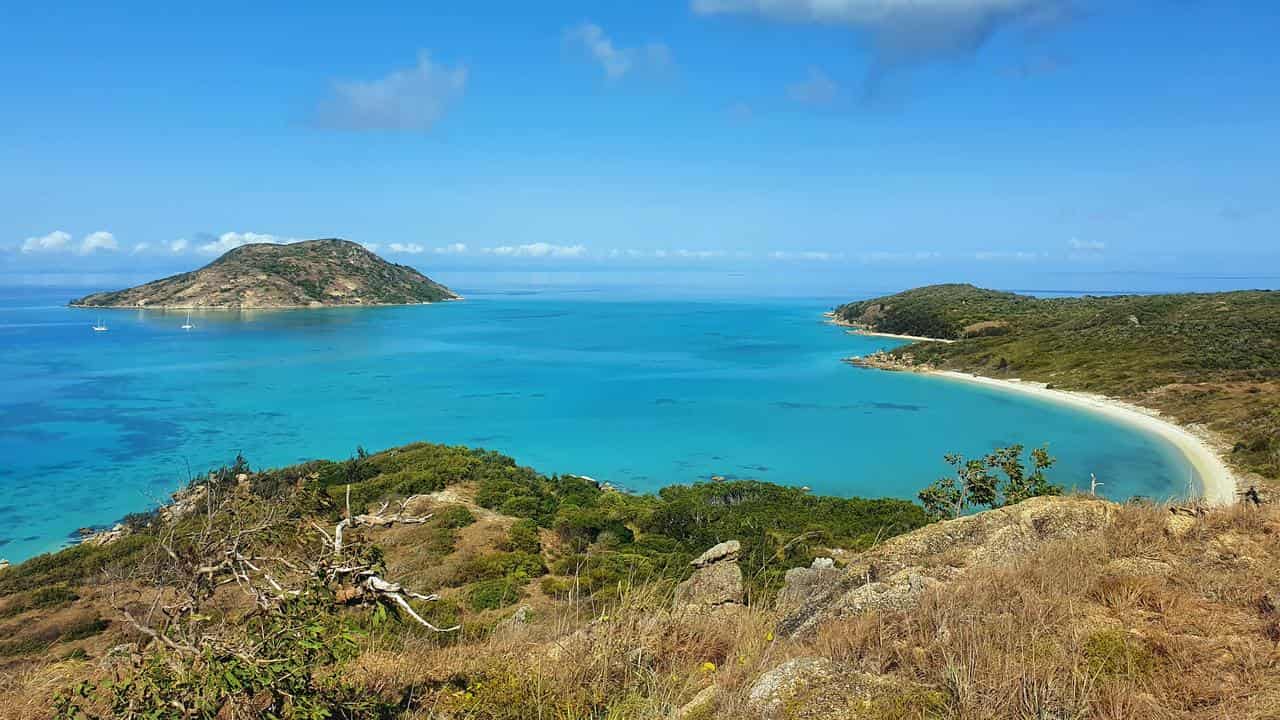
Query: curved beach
1218,482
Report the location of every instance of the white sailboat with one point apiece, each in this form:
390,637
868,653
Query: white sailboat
187,325
99,326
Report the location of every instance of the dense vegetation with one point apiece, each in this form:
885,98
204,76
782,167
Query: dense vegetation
313,272
1202,358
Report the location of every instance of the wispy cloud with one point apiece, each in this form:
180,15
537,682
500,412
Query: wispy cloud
617,61
178,246
818,255
539,249
407,248
903,31
1093,245
60,241
451,249
411,99
815,89
1008,255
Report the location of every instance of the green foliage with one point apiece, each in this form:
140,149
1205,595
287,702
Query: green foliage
499,565
416,469
44,598
1217,354
523,537
291,676
494,594
71,565
975,485
454,517
1115,654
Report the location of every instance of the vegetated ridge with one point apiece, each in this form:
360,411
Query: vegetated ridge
1201,358
273,594
312,273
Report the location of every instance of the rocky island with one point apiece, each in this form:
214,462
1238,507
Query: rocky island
312,273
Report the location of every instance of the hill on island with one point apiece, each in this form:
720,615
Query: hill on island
312,273
1203,358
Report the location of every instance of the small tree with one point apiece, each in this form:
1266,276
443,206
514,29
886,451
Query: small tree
977,485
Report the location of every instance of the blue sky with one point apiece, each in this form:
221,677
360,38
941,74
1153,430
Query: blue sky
944,138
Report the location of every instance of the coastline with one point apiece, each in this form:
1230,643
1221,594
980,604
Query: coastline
1218,484
236,308
856,329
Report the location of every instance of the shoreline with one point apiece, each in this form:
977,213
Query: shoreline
1218,483
237,308
856,329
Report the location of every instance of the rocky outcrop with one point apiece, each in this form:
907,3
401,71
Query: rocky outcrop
895,574
801,584
716,580
816,688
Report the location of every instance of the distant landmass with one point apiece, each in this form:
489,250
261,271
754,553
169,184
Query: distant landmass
312,273
1210,359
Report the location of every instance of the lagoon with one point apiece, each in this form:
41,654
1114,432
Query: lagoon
642,393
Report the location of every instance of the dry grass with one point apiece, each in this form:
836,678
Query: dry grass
1066,633
1132,623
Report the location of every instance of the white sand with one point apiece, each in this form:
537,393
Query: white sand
918,338
1218,483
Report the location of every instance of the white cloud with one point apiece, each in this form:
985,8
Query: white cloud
451,249
820,255
408,248
53,242
1091,245
59,241
892,256
96,241
178,246
903,30
231,240
815,89
411,100
140,248
539,249
614,60
371,247
998,255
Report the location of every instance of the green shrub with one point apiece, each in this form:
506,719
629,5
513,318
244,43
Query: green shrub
1115,654
523,537
496,565
494,594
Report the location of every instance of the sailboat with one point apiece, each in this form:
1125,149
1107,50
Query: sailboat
187,325
99,326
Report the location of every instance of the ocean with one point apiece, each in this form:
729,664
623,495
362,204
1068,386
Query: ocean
640,392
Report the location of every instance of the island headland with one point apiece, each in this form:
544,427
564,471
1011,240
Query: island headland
1200,370
311,273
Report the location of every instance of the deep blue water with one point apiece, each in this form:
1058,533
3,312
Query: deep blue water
641,393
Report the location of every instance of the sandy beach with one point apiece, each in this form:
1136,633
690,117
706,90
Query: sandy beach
1218,482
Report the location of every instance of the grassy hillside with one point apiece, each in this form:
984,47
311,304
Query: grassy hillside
230,607
221,609
1202,358
301,274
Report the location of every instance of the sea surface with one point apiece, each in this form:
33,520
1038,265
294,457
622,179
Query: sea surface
641,392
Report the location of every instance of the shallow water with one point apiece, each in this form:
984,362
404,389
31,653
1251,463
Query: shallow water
640,393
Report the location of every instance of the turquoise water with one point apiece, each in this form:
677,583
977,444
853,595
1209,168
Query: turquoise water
641,393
